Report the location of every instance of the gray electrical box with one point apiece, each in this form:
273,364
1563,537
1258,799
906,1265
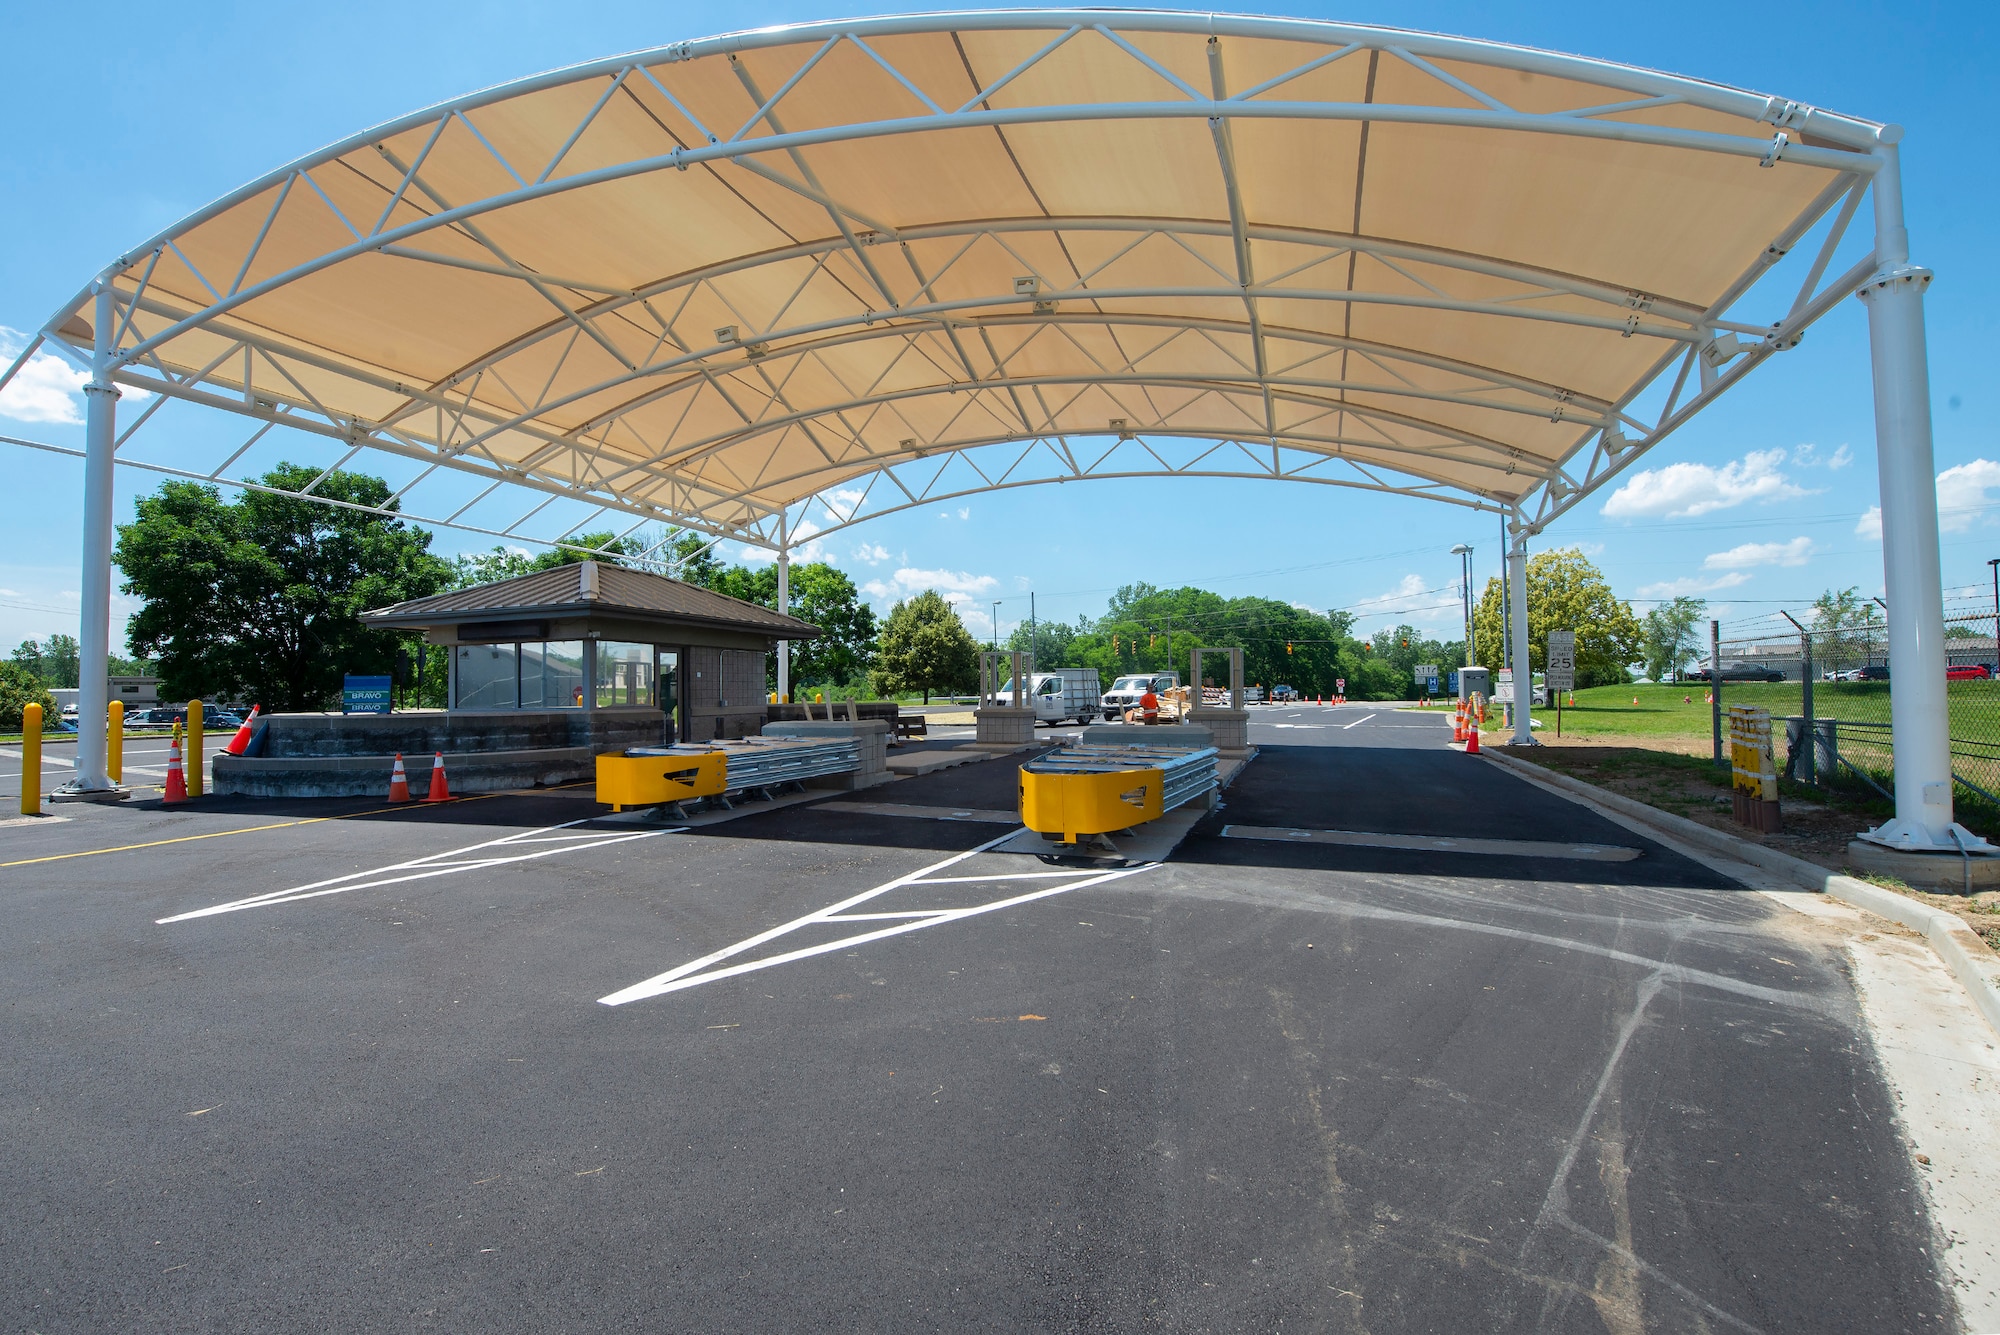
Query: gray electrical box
1474,681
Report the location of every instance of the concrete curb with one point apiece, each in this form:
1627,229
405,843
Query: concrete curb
1956,944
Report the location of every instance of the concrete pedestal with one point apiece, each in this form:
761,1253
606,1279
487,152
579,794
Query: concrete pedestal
1944,873
1229,727
1004,724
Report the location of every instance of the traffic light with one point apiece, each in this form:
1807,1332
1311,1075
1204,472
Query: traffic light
1288,646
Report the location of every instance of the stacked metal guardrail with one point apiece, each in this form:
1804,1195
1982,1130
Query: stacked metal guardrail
767,762
1187,774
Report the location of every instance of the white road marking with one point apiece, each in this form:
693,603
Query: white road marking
435,864
1423,843
692,973
1357,723
47,759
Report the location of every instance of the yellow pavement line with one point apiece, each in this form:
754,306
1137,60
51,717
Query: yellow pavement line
283,824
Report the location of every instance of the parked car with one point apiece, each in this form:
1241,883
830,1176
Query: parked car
1873,672
1284,695
1740,672
1970,672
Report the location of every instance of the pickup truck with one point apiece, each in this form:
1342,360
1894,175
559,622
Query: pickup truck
1060,694
1125,692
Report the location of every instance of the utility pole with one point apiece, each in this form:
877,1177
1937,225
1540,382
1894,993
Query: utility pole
1997,614
1034,636
993,631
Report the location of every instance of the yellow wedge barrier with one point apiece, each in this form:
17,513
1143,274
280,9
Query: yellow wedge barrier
651,781
1073,805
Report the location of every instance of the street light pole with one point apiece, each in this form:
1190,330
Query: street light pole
1464,553
993,631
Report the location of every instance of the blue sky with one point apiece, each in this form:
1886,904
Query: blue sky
1763,500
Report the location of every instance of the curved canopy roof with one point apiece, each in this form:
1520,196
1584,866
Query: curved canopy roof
723,281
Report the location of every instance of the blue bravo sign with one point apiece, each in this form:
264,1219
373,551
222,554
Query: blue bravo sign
364,695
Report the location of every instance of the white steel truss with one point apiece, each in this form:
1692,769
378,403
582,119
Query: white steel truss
924,312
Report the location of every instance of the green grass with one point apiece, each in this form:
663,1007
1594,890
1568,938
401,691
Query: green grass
1682,711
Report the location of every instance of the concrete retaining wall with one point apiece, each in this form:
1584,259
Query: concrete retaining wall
368,776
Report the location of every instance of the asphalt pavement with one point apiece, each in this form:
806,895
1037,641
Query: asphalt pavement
504,1064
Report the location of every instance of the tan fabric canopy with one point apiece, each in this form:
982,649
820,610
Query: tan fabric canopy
821,268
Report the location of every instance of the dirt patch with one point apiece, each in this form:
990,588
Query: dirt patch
1817,826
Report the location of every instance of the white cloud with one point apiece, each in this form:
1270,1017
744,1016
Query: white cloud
842,502
965,512
1589,548
1965,493
1691,584
1414,600
874,553
47,389
1793,553
1682,491
1807,456
957,586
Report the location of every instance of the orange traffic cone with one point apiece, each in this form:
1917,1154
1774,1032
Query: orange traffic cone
439,792
399,781
177,789
1472,741
1635,699
241,740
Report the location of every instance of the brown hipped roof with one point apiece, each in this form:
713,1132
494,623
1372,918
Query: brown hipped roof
563,591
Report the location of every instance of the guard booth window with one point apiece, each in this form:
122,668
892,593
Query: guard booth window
625,675
535,675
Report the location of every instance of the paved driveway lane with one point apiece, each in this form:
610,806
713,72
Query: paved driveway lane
1604,1140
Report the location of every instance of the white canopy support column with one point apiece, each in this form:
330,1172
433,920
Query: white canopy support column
100,397
784,609
1917,695
1517,632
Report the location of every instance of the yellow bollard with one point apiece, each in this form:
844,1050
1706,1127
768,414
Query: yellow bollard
31,761
114,743
192,762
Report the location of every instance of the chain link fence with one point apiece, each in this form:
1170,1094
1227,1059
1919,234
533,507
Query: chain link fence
1830,687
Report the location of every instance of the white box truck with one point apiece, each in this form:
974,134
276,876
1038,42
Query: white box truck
1060,695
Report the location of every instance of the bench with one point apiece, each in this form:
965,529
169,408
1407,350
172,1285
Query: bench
911,725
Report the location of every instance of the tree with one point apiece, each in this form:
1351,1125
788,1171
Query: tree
260,597
20,688
1672,636
1845,626
474,568
827,598
1565,592
58,663
925,647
